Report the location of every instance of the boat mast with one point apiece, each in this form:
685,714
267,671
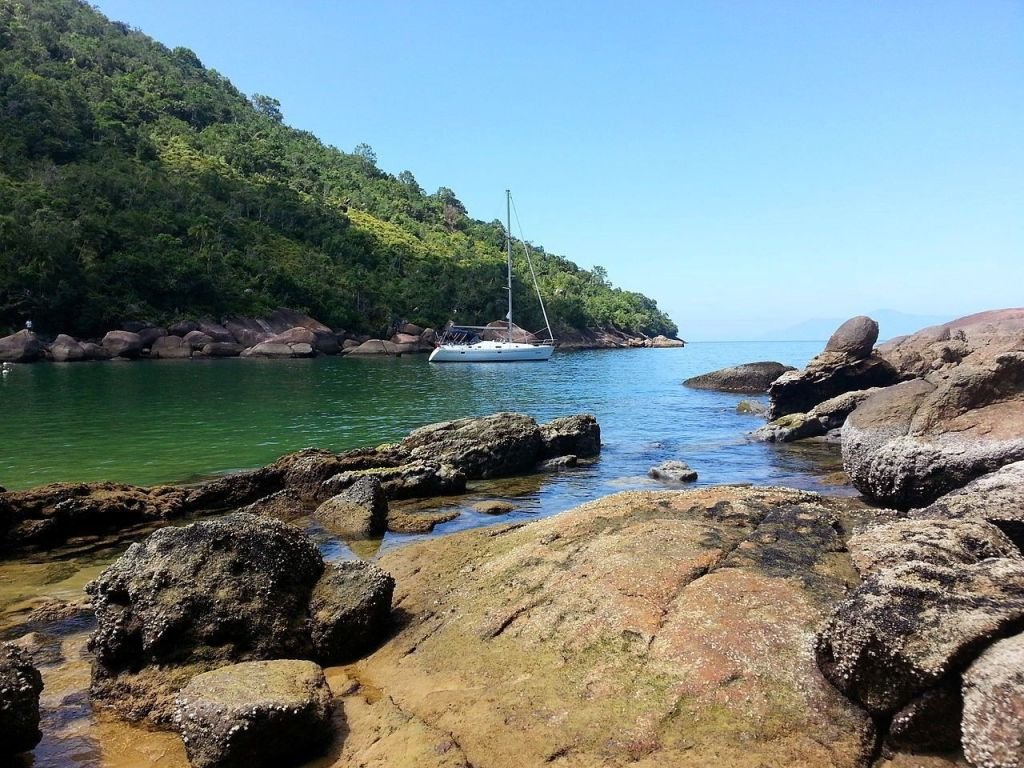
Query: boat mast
508,249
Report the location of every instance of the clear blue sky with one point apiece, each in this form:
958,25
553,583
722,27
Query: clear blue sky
748,164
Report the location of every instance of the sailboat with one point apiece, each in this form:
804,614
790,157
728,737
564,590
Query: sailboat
467,343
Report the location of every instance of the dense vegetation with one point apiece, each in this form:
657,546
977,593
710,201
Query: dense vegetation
135,184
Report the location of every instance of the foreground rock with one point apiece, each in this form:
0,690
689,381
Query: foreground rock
844,366
916,441
254,714
749,378
360,511
239,588
648,629
20,686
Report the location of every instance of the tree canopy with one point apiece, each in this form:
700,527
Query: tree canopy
136,184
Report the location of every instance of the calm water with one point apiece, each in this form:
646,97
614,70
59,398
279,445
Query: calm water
153,422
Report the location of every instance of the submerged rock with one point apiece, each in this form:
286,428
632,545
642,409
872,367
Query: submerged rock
673,472
748,378
20,686
254,714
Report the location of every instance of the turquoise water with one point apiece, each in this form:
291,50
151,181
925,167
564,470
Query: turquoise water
169,421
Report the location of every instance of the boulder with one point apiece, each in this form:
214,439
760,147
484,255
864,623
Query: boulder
578,435
222,349
94,351
284,505
373,347
280,349
170,348
906,628
282,319
182,328
752,408
253,714
20,686
411,329
360,511
673,472
65,349
215,331
909,444
219,591
122,344
295,335
997,498
350,610
248,331
197,339
664,342
646,628
21,347
414,479
854,339
748,378
825,377
493,507
490,446
149,334
558,463
993,706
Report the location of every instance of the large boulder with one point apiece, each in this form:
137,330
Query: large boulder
350,610
21,347
993,715
122,344
909,444
222,349
149,334
360,511
748,378
219,591
255,714
66,350
412,479
215,330
248,331
197,339
646,628
855,338
280,349
820,420
374,347
20,686
490,446
170,348
578,435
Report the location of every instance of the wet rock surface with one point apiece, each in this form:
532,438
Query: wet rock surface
349,610
673,472
257,713
20,686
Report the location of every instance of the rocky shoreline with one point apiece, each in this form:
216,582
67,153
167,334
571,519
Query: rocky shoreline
284,333
731,625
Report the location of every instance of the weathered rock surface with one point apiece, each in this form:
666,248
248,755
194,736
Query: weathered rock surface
997,498
350,610
20,686
826,376
493,507
66,350
21,347
374,347
254,714
907,627
197,339
122,344
214,330
749,378
983,335
993,696
920,439
673,472
664,342
214,592
222,349
646,629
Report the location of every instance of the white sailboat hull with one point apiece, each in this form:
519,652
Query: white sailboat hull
491,352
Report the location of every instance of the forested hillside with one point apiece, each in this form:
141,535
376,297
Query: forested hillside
136,184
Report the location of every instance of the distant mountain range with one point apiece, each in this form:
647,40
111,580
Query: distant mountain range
891,323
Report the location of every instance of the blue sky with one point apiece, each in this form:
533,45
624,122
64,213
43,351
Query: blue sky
750,165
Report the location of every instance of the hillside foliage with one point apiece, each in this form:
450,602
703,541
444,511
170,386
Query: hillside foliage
136,184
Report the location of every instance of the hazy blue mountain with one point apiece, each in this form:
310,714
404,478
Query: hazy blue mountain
891,323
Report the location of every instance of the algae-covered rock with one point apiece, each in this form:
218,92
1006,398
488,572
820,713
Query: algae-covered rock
20,686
